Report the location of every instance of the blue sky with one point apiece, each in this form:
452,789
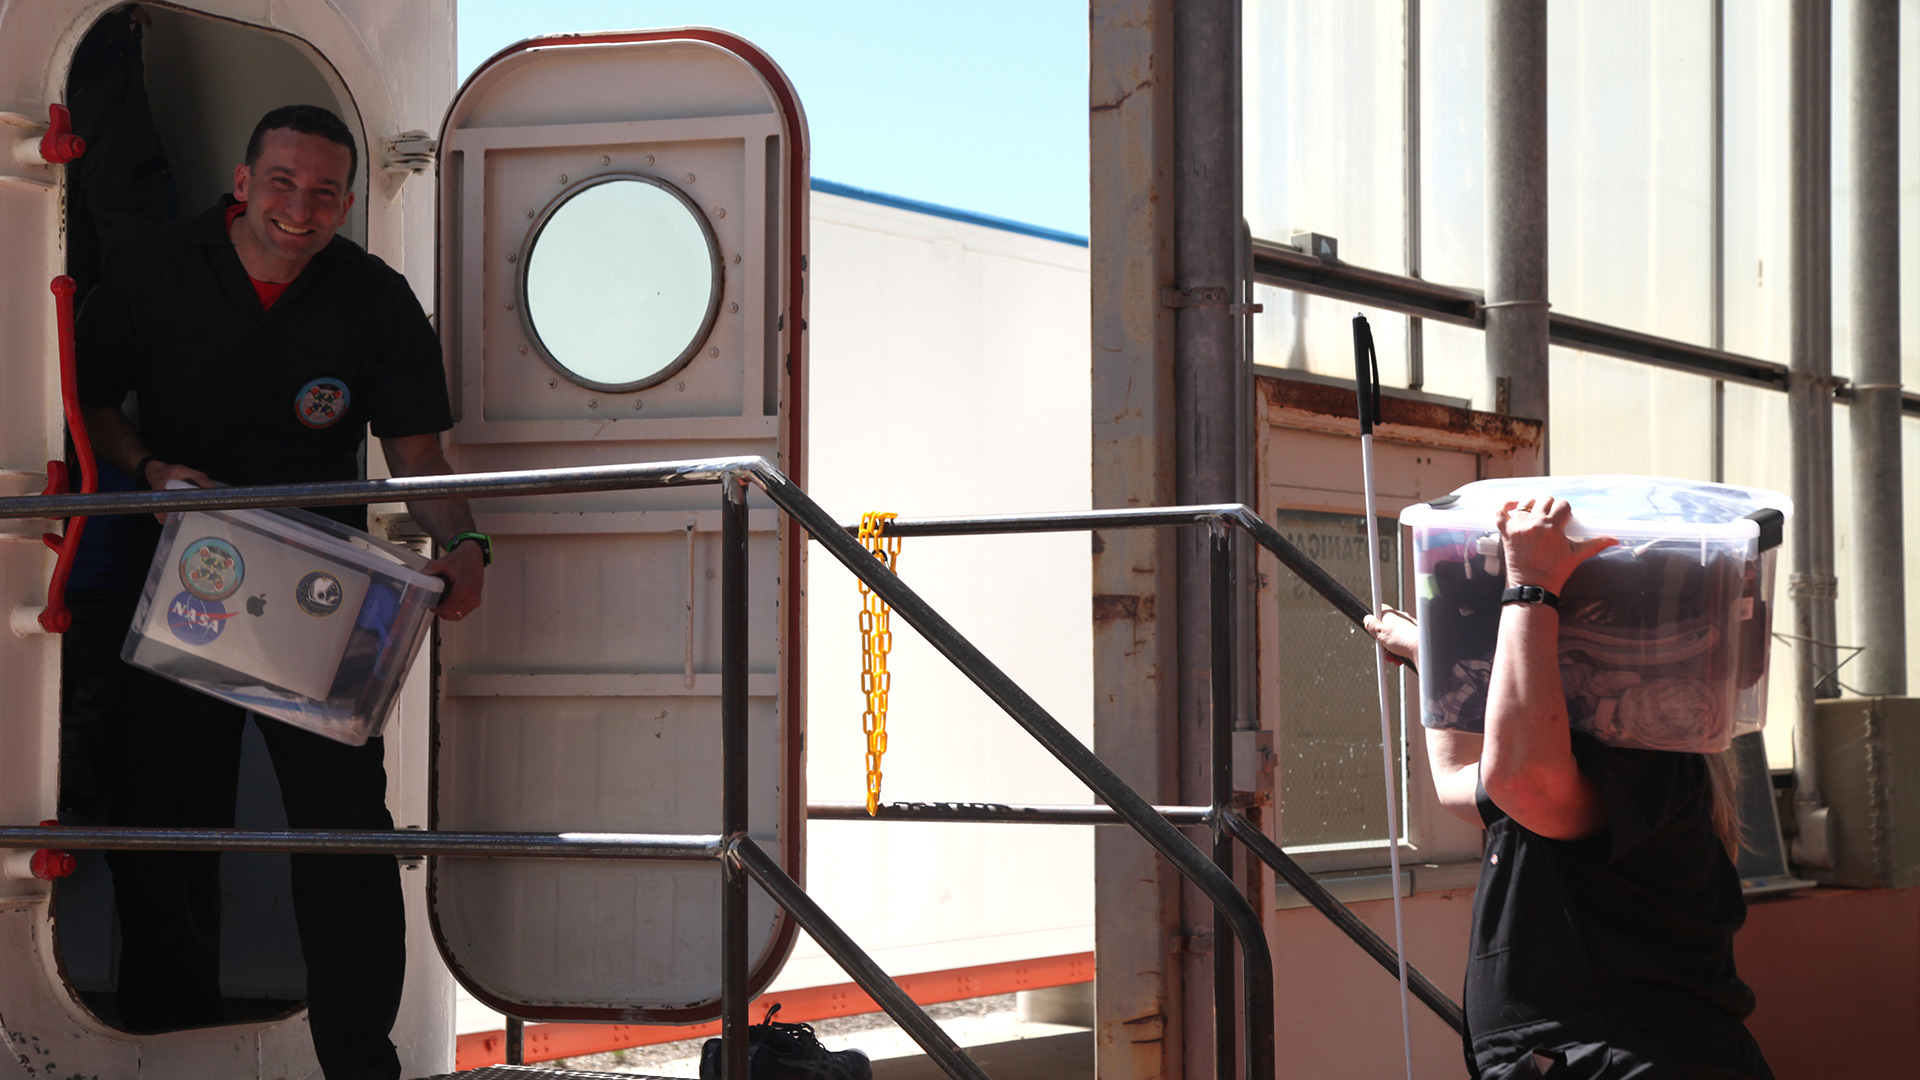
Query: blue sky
979,105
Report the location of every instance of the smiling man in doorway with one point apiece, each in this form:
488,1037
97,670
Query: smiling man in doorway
258,347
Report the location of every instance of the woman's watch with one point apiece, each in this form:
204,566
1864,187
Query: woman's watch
485,542
1529,594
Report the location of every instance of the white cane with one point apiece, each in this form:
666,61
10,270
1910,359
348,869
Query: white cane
1366,378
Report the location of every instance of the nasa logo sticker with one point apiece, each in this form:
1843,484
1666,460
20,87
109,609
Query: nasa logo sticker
319,594
196,621
212,569
322,402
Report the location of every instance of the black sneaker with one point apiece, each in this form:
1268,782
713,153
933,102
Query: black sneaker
788,1052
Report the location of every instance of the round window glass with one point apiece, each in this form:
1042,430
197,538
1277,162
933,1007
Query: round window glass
621,282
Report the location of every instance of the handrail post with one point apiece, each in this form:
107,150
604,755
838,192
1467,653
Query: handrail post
1220,731
733,758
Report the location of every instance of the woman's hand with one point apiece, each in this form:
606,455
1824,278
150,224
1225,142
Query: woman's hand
1538,549
1397,631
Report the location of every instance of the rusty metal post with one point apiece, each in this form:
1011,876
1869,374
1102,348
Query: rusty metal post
1136,894
1207,399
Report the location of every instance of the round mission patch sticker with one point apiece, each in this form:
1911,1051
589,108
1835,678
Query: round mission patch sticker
322,402
212,568
319,594
196,621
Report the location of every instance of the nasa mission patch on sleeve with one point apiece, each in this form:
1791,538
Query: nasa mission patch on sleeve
322,402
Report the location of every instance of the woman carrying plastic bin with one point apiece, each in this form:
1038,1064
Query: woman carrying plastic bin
1602,942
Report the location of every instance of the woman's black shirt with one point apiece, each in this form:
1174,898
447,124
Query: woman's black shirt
1627,930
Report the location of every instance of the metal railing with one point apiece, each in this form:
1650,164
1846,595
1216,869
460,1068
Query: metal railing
740,857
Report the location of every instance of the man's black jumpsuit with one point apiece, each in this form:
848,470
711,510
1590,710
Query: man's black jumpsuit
253,396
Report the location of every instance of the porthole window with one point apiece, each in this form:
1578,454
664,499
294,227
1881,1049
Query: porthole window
620,282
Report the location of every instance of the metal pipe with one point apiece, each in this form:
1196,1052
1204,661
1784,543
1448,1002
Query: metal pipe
853,960
1516,165
1207,370
400,842
1220,731
516,1041
1061,743
1809,412
1341,916
998,813
734,961
1873,224
398,489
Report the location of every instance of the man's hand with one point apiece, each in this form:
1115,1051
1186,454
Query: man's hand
466,570
1538,549
160,474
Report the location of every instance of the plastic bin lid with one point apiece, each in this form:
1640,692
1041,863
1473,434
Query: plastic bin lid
1612,505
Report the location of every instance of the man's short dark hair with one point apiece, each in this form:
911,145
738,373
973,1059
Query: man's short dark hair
307,120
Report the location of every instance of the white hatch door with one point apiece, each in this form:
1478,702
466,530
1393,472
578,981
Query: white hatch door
622,235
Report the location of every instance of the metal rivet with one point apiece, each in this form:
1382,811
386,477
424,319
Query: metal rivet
681,385
649,159
509,305
593,403
552,383
730,307
513,256
636,404
719,211
523,350
605,160
689,178
736,260
563,178
529,213
714,351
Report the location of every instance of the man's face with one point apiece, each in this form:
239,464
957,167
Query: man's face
296,195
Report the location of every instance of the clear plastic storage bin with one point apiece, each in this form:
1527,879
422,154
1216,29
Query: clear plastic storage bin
289,614
1663,638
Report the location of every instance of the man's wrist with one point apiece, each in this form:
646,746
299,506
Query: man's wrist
479,540
140,470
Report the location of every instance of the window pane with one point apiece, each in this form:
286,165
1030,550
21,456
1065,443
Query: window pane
1758,455
1629,126
1616,416
1324,116
1331,791
1312,333
1453,142
1756,126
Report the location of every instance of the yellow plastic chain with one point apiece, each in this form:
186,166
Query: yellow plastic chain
877,639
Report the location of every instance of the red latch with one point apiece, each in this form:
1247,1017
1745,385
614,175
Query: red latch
60,145
51,865
56,618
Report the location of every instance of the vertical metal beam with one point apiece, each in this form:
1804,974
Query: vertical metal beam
733,768
1207,373
1136,893
516,1041
1873,226
1810,396
1410,106
1717,255
1517,208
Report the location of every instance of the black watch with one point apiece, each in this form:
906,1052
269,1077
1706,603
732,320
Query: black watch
1529,594
485,542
